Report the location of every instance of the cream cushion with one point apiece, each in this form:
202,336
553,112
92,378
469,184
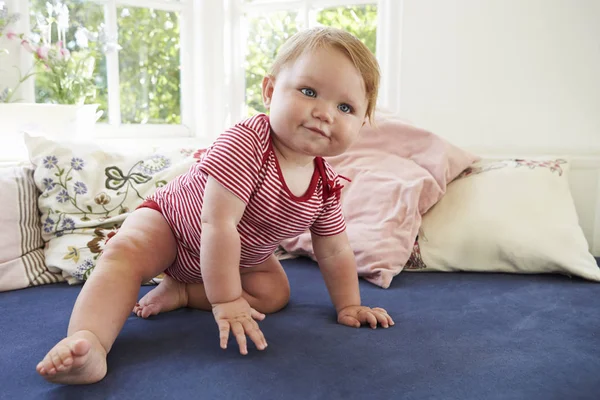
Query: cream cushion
513,216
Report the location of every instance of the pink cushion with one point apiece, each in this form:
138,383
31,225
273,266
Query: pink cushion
398,172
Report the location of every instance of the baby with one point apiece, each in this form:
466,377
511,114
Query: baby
213,230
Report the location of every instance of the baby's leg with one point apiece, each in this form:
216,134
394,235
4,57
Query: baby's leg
265,287
144,247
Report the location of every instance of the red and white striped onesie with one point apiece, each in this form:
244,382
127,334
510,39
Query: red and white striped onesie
242,159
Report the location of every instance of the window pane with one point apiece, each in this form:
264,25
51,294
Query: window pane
361,21
149,66
265,34
67,79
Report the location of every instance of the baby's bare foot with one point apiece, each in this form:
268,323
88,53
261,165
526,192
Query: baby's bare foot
167,296
77,359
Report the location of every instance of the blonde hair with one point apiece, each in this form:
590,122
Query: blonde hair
323,36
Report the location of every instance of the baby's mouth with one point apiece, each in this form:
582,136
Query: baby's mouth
317,131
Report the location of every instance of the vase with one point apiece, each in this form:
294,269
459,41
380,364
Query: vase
55,121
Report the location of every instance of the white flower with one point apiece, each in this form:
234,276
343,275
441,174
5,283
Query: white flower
81,38
35,38
45,31
109,42
92,36
111,48
49,9
62,19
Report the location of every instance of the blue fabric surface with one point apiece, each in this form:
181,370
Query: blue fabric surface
457,336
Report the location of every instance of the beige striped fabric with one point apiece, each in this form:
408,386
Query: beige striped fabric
21,246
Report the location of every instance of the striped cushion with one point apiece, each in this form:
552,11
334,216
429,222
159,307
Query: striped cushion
21,245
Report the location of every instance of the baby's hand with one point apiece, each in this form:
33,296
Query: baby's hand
238,317
355,316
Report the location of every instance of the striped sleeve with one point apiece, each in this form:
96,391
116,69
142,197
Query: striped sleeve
331,220
234,160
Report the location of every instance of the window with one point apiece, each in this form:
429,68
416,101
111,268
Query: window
267,24
137,53
177,68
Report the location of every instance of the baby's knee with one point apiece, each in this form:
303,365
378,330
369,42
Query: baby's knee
274,300
122,246
126,251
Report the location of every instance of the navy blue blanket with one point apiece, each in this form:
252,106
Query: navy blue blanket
457,336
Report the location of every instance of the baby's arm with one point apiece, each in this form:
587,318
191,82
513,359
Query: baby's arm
221,212
220,266
337,264
338,267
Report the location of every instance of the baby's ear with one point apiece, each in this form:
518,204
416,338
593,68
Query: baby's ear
268,85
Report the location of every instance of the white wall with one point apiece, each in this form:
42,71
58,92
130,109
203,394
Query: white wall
509,78
504,74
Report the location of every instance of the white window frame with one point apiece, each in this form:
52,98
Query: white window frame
389,37
114,127
190,12
212,57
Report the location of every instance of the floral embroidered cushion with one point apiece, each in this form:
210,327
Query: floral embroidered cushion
86,194
513,216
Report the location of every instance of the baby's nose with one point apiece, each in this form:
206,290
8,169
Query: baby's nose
323,112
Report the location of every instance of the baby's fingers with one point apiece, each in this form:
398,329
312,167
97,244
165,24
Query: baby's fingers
371,319
256,315
383,317
223,333
389,320
238,331
349,321
255,334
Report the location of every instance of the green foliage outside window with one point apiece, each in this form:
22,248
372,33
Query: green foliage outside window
149,66
265,35
361,21
268,32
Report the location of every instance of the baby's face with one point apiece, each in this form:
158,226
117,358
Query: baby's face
317,103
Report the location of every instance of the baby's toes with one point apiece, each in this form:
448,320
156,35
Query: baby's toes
46,366
41,367
65,358
56,361
145,312
139,309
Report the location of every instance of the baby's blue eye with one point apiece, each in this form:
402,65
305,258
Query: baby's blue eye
345,108
308,92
